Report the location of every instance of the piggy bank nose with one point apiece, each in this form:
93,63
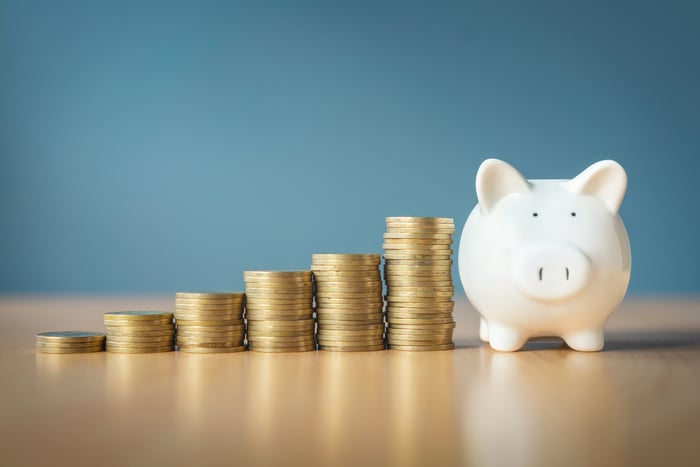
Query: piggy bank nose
551,273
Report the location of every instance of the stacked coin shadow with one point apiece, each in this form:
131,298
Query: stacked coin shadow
62,342
418,274
139,331
209,322
279,311
349,303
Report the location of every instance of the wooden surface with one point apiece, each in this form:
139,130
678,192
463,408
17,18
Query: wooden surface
636,403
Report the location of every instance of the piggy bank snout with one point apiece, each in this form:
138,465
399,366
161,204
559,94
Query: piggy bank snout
551,273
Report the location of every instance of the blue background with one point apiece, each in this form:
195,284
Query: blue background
155,146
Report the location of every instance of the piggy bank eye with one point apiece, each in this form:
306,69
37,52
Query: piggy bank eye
534,214
573,214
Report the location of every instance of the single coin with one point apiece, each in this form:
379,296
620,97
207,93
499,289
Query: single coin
137,315
301,323
275,298
418,236
208,317
407,229
420,220
139,339
422,347
419,296
400,342
278,317
394,316
393,256
181,340
209,305
335,327
343,348
190,349
130,350
393,239
447,305
209,295
189,326
283,313
68,345
262,302
277,275
423,321
282,350
345,257
198,334
70,336
68,350
422,329
138,326
418,249
210,301
349,322
364,268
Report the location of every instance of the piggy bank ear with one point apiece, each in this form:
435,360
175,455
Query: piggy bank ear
496,179
606,180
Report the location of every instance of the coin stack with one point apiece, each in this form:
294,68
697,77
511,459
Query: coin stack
418,273
349,303
279,311
139,331
209,322
70,342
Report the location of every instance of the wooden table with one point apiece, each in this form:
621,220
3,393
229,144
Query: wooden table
636,403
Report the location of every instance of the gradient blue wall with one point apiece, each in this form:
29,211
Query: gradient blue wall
154,146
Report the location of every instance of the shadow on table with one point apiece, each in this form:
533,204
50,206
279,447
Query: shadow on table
617,341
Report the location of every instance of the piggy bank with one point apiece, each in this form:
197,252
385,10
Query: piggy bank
545,258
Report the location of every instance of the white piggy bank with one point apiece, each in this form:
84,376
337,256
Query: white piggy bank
542,258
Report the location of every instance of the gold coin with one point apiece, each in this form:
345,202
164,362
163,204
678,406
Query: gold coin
261,301
68,345
352,348
184,327
209,295
278,298
422,321
196,312
422,347
419,316
305,348
394,256
344,268
208,306
70,336
67,350
418,296
137,315
191,349
394,240
206,335
141,323
140,332
406,228
264,326
277,275
210,301
441,341
431,306
423,249
429,237
369,257
229,341
278,317
420,220
113,349
350,320
426,330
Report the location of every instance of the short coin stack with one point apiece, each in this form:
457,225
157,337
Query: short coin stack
418,273
70,342
139,331
279,311
349,303
209,322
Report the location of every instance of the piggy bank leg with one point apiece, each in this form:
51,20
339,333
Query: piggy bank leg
505,339
483,330
585,341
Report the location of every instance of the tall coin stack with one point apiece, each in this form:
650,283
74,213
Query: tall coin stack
418,273
209,322
139,331
279,311
349,303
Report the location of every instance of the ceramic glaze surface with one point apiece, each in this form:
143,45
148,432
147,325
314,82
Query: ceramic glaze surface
542,258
